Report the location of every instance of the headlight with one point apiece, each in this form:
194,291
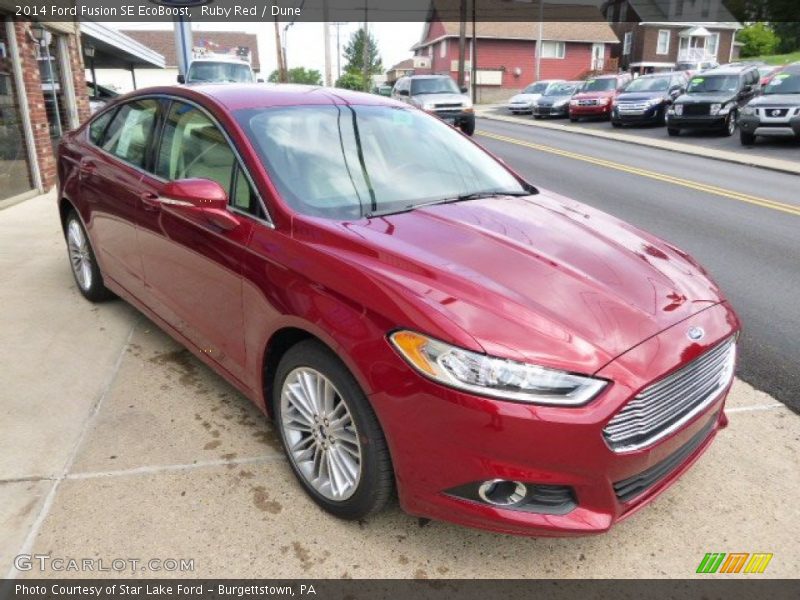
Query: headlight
428,106
496,377
604,100
678,109
560,103
715,109
654,101
748,110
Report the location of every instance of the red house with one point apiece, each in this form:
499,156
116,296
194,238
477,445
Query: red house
506,52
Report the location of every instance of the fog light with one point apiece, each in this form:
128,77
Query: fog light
502,492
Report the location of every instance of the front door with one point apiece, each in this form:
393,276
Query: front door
598,57
192,267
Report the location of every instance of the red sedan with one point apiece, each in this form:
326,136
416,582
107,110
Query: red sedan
415,317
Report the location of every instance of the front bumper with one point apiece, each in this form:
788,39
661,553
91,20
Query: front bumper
520,107
698,122
596,110
454,117
442,439
648,115
788,127
551,111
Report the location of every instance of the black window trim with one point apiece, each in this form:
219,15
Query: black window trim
166,100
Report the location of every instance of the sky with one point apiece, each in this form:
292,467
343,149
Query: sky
304,41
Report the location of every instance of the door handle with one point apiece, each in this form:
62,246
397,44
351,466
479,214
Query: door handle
86,167
150,201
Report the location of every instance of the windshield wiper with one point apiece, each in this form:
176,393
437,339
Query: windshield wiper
461,198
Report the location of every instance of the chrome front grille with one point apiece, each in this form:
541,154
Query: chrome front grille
636,107
666,405
696,110
591,102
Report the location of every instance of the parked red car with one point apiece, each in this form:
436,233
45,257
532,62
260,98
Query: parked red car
596,97
412,314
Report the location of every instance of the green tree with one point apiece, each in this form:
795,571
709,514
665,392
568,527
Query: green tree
354,54
758,39
789,34
351,80
298,75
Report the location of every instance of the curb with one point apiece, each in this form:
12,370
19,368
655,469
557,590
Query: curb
771,164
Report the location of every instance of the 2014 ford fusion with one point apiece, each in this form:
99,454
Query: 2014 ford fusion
414,316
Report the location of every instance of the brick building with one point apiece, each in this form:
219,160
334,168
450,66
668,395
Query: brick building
43,93
506,52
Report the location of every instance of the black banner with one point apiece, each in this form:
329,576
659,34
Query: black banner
742,587
402,10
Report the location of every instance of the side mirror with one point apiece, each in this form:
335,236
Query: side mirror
403,92
203,196
464,89
181,79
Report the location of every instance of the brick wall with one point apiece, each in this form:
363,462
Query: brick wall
33,89
79,77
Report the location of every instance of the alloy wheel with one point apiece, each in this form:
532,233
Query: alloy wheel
79,255
320,434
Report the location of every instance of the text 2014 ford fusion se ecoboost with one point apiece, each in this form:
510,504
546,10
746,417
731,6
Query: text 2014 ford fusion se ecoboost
415,317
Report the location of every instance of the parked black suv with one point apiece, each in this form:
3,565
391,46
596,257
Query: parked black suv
647,98
776,112
438,95
713,99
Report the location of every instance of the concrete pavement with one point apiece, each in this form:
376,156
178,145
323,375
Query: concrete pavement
117,443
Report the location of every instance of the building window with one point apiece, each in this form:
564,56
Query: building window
627,43
443,49
712,44
553,49
663,41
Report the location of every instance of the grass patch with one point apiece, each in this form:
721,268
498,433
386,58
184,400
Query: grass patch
777,59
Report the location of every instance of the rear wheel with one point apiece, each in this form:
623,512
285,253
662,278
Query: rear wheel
83,262
747,139
333,439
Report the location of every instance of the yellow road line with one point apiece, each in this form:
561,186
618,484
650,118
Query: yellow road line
703,187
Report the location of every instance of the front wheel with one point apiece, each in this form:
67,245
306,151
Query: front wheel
673,132
730,124
468,127
82,259
747,139
616,124
573,119
331,435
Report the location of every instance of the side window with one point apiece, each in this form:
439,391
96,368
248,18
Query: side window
129,132
98,127
193,146
243,197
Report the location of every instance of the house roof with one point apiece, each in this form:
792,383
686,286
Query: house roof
163,42
403,65
653,10
559,31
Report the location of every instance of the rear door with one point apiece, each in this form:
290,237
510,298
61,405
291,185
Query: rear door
110,176
192,267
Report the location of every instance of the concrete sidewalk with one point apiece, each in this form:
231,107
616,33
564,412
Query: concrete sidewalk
773,164
115,443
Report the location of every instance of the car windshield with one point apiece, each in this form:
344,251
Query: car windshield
599,85
783,83
648,84
707,84
200,72
561,89
433,85
536,88
346,162
686,66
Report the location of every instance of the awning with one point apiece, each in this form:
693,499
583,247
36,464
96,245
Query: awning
115,50
695,32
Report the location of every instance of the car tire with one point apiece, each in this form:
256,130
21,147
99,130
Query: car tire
573,119
83,262
468,127
537,117
730,124
616,124
673,132
362,441
747,139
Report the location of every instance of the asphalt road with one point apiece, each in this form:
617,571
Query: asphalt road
779,148
742,223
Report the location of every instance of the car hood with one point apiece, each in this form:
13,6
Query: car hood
524,98
550,100
776,100
640,96
540,278
588,95
420,99
713,98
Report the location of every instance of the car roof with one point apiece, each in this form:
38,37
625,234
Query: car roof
729,70
221,59
432,76
236,96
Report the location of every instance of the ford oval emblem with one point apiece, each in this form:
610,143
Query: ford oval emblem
696,334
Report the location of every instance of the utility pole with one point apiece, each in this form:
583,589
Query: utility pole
365,49
539,41
279,53
338,51
462,43
326,35
473,77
